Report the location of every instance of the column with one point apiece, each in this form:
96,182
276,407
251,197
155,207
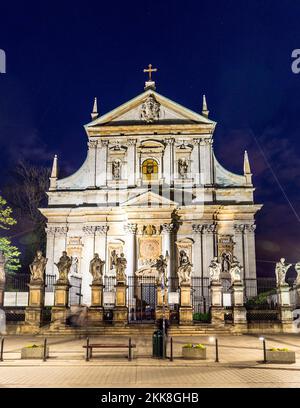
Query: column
168,161
91,167
50,267
131,162
101,244
88,253
131,250
101,163
195,167
208,237
205,159
167,245
59,245
197,250
250,250
239,245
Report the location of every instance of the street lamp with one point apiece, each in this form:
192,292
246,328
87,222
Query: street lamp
214,339
264,348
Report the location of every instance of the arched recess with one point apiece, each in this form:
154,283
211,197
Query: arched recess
150,169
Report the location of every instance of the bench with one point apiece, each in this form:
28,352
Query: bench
90,346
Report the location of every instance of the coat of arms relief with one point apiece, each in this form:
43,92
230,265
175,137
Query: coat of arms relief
150,109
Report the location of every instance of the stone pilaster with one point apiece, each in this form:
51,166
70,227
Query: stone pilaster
101,243
169,161
91,163
162,309
216,310
120,309
95,311
88,254
131,154
196,166
34,310
239,311
185,309
285,309
60,310
101,163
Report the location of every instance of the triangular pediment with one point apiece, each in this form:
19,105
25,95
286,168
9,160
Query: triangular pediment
150,108
149,199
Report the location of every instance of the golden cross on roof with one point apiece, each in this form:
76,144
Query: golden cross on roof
150,70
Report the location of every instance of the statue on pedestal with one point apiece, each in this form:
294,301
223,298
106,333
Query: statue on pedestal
37,268
281,271
161,267
96,269
64,265
215,268
121,264
297,268
185,269
235,270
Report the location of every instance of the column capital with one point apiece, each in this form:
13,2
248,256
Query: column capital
130,228
51,231
101,229
89,229
170,141
92,144
250,228
167,228
204,228
131,142
239,228
197,140
104,143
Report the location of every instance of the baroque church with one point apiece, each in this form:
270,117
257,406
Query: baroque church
151,185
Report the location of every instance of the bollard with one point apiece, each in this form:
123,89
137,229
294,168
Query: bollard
217,351
265,351
2,348
171,349
87,354
45,350
129,351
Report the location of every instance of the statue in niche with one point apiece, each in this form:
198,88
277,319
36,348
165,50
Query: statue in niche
183,167
37,267
185,269
235,270
161,265
113,259
96,269
281,271
64,265
215,268
297,269
121,264
116,169
226,262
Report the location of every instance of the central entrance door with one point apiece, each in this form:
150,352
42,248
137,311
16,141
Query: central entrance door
143,302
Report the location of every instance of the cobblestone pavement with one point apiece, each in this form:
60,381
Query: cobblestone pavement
240,365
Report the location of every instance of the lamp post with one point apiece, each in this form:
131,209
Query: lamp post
163,289
214,339
264,349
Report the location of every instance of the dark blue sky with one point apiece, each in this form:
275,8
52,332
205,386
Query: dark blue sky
238,52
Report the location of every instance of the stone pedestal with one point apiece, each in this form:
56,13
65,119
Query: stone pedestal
285,310
120,309
60,310
162,309
239,311
2,289
185,309
34,310
216,311
95,312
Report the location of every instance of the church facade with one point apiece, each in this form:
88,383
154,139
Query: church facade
151,185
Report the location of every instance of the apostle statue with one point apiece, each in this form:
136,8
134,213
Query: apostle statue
297,268
96,269
185,269
64,265
161,267
113,259
121,264
116,169
281,271
182,167
235,270
226,262
37,267
215,268
74,266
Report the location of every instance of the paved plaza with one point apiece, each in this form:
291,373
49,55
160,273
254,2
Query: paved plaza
240,364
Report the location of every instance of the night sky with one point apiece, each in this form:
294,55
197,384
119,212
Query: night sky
238,52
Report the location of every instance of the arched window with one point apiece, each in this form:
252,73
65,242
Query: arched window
150,170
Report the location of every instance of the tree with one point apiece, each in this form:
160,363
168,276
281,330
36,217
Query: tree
26,192
10,252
